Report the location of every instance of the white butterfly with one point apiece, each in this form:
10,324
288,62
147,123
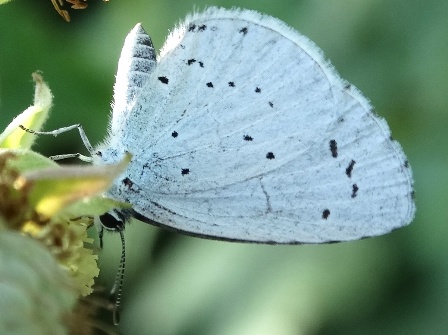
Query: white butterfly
240,130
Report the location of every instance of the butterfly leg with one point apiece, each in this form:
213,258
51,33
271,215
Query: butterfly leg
59,131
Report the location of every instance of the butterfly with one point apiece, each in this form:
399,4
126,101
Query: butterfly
240,130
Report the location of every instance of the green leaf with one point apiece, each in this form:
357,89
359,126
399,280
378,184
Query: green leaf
56,188
13,137
26,160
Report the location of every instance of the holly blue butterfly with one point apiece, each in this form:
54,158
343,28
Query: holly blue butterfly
240,130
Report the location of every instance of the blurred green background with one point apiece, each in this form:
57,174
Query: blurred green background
396,52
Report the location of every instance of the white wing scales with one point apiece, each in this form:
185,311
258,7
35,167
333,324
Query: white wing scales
242,131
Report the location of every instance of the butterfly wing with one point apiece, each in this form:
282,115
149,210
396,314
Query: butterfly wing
243,131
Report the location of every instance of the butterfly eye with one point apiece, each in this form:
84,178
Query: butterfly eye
113,220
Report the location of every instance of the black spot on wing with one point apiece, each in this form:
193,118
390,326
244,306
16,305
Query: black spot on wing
209,84
130,185
185,172
174,134
334,148
195,28
164,80
231,84
406,164
127,182
271,104
243,30
349,169
192,61
354,190
248,138
257,90
325,213
270,155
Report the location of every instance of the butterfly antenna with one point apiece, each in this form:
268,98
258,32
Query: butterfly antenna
100,236
116,291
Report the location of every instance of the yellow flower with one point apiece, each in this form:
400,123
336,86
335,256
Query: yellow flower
69,244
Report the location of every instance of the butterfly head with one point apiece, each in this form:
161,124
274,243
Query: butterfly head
114,220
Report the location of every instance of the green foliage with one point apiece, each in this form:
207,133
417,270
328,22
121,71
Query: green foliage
395,52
